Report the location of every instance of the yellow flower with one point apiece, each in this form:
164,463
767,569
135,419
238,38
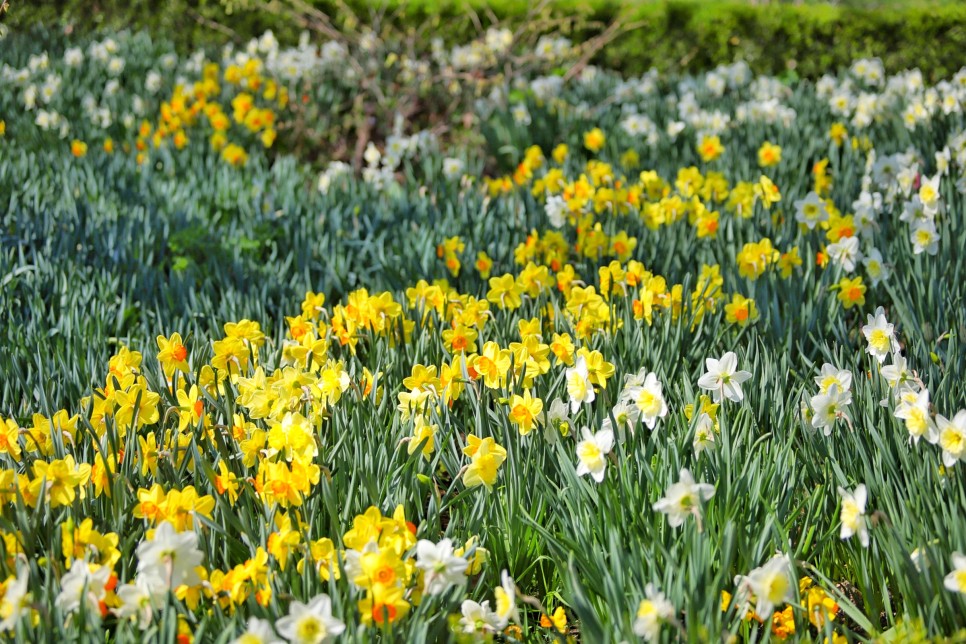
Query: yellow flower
594,140
383,604
769,154
10,438
191,408
234,154
172,354
741,310
525,412
710,148
486,457
783,623
755,257
60,481
78,148
557,620
505,292
492,365
226,482
559,153
851,292
788,262
423,431
767,192
838,133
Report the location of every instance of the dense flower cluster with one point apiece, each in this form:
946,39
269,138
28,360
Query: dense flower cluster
645,370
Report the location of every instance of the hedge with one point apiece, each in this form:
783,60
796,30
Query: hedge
679,35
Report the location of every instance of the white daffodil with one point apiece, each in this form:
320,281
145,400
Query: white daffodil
440,566
478,618
649,398
651,613
579,387
310,623
828,407
810,211
914,410
703,434
853,514
952,437
845,253
592,453
684,499
170,556
771,585
880,335
506,600
257,631
723,379
956,580
84,585
16,601
832,375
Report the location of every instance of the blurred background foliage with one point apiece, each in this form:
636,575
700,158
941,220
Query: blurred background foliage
795,38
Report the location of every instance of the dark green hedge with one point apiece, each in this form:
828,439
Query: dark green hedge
672,35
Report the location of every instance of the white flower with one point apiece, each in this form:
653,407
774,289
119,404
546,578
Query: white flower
914,409
83,587
592,453
703,434
925,238
152,82
956,580
73,57
880,335
141,599
115,66
310,624
257,631
556,209
170,556
771,584
952,437
810,211
626,415
723,378
853,514
683,499
651,613
478,618
16,601
353,561
579,387
832,375
521,115
914,213
506,600
674,128
556,421
441,567
452,168
929,194
845,253
372,154
649,398
897,374
828,407
875,268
